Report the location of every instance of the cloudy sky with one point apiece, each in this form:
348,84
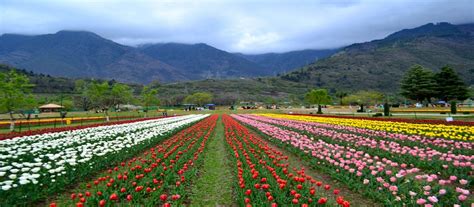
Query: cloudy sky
236,26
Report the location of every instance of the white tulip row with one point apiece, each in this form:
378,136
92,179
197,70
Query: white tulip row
26,159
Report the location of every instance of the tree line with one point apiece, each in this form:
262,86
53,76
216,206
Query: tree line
16,96
418,84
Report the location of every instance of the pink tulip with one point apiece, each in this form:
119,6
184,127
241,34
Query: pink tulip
442,191
420,201
433,199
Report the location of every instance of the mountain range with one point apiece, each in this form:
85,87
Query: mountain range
380,64
376,65
80,54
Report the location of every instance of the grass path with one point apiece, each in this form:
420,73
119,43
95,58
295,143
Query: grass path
214,185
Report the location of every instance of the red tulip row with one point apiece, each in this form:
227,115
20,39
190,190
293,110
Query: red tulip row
414,121
156,177
264,176
12,135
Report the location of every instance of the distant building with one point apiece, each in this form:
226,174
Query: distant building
51,108
211,106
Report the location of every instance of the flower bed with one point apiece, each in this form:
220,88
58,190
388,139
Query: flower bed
386,174
265,178
67,128
455,132
39,165
158,176
415,121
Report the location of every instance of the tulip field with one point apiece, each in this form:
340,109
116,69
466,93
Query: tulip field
412,167
159,161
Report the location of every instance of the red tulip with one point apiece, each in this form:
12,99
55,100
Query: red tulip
247,200
163,197
274,205
322,200
122,190
82,200
79,204
73,196
167,205
175,197
336,191
102,203
299,186
327,187
88,194
52,205
129,197
99,193
257,186
295,201
297,195
248,192
113,197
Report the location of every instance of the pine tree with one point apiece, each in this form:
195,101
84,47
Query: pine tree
418,84
450,86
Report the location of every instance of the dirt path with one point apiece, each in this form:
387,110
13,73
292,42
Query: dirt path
214,185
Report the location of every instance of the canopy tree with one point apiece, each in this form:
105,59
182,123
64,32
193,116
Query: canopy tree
199,98
82,99
418,84
341,94
15,94
319,97
363,98
450,86
105,96
149,98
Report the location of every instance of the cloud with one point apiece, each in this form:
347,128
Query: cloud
236,26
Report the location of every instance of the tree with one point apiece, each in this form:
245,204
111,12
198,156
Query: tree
15,94
199,98
105,96
364,98
418,84
82,100
318,96
120,94
149,98
450,86
341,95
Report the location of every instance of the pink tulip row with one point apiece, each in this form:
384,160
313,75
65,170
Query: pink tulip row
438,142
423,153
382,174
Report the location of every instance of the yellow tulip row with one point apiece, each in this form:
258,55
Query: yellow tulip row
454,132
